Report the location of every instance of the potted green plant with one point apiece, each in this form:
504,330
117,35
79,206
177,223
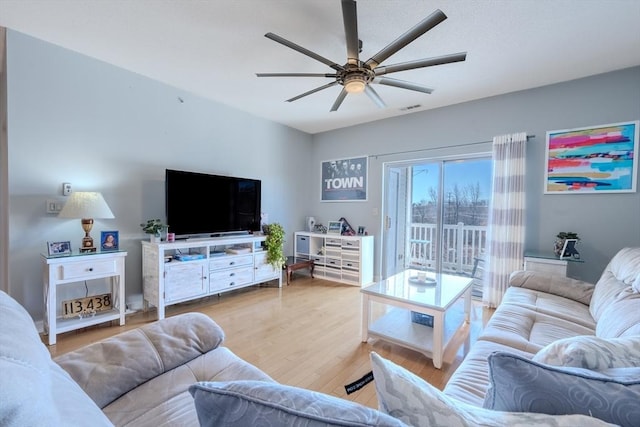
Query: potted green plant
154,227
274,244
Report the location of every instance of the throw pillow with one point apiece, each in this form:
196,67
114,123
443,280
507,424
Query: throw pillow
412,400
591,352
519,384
246,403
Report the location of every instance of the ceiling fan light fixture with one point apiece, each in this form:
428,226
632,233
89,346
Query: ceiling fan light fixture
355,84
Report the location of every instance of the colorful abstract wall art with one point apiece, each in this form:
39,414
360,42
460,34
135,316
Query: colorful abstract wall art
590,160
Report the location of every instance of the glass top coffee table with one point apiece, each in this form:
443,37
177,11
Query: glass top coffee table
417,312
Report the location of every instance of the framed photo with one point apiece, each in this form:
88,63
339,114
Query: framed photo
569,249
109,241
361,229
591,160
335,227
344,180
59,248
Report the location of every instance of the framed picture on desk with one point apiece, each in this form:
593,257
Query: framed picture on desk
569,249
335,227
109,240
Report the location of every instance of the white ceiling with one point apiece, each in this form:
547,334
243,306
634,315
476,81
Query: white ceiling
214,48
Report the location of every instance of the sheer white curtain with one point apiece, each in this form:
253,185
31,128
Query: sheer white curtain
505,245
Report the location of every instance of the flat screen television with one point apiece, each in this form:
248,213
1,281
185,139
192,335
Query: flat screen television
199,204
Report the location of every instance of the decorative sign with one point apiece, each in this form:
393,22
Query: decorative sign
344,180
591,160
86,306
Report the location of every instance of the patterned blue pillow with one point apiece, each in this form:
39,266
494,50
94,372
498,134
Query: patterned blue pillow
519,384
417,403
264,404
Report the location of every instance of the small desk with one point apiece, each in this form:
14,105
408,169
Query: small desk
547,262
296,263
60,270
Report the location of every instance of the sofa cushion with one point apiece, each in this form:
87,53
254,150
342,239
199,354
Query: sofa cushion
519,384
622,317
553,305
165,399
620,274
528,330
470,381
247,403
33,389
553,284
106,370
591,352
417,403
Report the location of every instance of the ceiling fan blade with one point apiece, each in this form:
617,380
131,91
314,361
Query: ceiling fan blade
350,18
373,95
339,100
421,63
296,75
419,29
313,91
304,51
402,84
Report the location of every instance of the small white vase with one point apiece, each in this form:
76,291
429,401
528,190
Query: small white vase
154,238
311,223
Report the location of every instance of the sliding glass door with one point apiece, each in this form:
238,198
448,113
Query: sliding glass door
436,215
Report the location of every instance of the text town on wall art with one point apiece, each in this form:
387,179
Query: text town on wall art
344,180
595,159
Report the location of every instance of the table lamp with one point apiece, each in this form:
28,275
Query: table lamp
86,206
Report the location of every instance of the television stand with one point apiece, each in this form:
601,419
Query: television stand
209,266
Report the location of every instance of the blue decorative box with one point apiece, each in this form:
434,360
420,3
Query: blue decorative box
422,319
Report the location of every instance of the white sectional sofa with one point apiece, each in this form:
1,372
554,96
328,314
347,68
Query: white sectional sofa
557,325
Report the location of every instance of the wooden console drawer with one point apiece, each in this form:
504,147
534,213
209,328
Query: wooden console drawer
351,244
228,278
351,265
332,241
229,261
95,268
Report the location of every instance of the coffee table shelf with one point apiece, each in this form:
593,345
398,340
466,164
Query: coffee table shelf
396,326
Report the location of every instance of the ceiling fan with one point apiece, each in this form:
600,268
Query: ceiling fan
356,76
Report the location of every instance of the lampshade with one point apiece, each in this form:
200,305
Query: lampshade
86,204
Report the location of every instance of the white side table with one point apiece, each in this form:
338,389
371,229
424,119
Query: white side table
61,270
547,262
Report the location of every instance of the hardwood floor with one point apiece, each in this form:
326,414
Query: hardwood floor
306,334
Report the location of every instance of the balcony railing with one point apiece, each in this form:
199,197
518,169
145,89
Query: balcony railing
461,245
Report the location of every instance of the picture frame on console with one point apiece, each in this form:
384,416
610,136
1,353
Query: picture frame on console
109,241
59,248
569,249
334,227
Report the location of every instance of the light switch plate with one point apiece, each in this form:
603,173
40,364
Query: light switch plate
54,206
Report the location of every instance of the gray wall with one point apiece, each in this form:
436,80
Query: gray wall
75,119
605,222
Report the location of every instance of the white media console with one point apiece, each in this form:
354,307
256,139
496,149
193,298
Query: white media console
174,272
